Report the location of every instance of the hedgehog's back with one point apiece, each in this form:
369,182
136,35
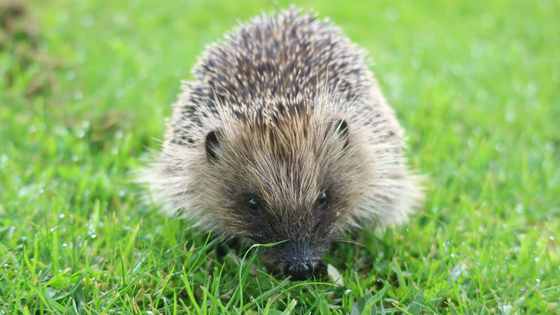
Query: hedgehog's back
278,62
281,56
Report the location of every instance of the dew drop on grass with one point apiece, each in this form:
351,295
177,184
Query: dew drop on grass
78,95
556,76
80,133
499,147
3,161
118,134
70,75
61,131
476,132
93,235
129,84
457,70
552,238
487,21
510,117
392,14
64,244
122,193
86,20
481,95
120,17
120,93
75,158
62,16
417,47
61,216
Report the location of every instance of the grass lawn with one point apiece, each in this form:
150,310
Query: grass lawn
85,90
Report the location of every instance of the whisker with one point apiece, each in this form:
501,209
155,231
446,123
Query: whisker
348,241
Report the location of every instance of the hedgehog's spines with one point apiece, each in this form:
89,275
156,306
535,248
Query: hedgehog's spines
273,88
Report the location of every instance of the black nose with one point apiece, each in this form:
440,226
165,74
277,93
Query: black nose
298,270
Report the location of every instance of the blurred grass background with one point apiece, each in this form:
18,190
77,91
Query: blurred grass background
86,87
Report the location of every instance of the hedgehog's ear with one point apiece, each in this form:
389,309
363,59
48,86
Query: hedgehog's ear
212,146
340,127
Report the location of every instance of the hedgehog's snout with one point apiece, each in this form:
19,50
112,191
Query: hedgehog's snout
297,260
298,269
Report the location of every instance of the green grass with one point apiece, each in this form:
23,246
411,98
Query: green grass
475,83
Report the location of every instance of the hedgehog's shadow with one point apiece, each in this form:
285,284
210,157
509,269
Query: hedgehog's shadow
238,248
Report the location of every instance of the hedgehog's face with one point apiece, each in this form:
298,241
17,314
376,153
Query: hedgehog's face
285,186
304,238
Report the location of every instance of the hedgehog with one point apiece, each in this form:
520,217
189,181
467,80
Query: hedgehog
284,138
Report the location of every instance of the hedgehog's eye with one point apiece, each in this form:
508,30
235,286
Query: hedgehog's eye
322,200
255,206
